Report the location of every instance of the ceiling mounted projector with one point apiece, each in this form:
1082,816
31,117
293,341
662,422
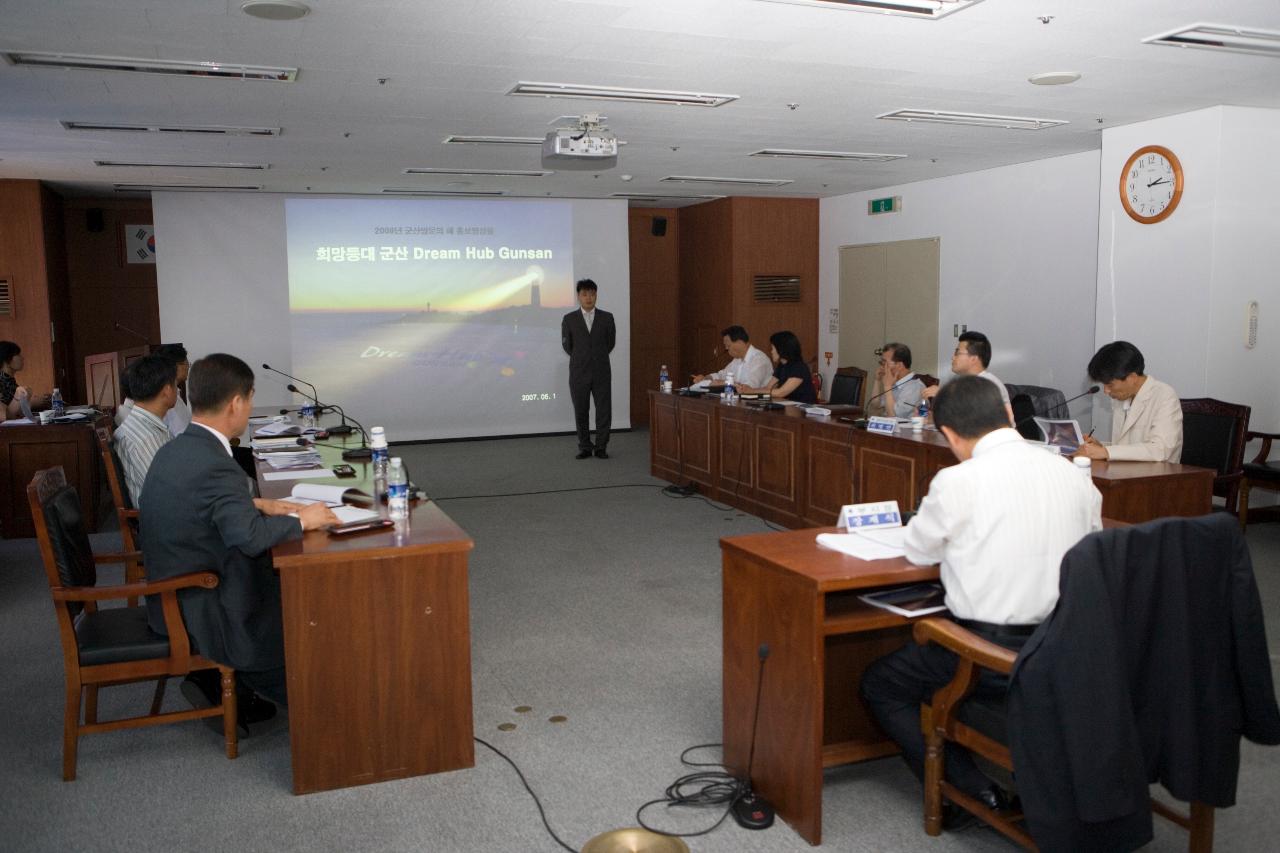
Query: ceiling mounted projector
586,145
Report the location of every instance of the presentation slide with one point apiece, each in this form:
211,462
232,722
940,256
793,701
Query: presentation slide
434,318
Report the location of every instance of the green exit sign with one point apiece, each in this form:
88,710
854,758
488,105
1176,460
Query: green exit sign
884,205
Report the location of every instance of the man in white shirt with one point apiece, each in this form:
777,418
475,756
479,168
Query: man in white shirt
152,382
971,358
179,417
750,367
999,524
1146,423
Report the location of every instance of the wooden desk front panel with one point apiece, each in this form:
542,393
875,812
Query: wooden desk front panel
664,437
379,668
827,453
24,450
734,441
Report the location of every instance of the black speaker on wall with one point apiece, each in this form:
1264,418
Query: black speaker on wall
659,226
93,220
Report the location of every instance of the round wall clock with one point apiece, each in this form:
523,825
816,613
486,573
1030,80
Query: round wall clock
1151,184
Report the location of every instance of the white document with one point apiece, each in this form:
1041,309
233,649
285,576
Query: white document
278,428
19,422
330,494
308,474
882,544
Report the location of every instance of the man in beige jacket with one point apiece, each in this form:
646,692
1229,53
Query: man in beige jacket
1146,415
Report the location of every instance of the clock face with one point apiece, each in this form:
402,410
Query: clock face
1151,184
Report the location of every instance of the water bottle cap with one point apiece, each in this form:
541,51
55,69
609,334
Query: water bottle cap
396,462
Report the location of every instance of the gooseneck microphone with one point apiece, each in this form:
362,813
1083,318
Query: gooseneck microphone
361,452
750,810
1092,389
314,393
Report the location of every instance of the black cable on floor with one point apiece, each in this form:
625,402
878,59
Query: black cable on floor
525,782
703,788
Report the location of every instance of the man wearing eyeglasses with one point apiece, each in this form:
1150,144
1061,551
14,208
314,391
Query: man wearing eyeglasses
903,390
971,358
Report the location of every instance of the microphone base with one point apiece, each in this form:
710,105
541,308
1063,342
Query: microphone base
357,453
340,429
752,811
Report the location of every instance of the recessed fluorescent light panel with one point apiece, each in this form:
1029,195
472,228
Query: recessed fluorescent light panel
130,164
226,70
661,197
797,154
420,191
613,93
737,182
202,129
480,173
492,140
135,188
972,119
1225,37
929,10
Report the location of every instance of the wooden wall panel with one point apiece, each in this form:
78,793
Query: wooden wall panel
655,304
776,236
23,262
706,282
104,290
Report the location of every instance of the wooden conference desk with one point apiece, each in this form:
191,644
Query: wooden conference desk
377,646
24,450
785,590
798,471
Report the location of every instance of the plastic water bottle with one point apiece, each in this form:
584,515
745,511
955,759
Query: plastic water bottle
378,444
397,490
664,381
59,407
308,413
730,392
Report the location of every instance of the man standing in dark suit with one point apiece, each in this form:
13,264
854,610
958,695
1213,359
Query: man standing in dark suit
197,514
588,336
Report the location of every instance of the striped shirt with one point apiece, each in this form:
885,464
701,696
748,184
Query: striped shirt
137,439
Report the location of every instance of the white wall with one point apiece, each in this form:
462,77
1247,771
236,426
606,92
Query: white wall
1018,262
1178,288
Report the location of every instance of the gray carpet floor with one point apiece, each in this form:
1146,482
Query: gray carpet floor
601,605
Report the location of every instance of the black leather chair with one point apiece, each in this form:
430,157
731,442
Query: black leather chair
108,646
1213,436
1046,402
1261,473
846,389
1024,414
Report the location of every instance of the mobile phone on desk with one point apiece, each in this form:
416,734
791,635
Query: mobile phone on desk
360,526
343,471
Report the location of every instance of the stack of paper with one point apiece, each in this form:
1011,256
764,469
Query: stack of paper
884,543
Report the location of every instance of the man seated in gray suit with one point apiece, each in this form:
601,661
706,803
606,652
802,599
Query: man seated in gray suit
197,515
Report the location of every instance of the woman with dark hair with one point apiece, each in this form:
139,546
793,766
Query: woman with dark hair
791,377
10,391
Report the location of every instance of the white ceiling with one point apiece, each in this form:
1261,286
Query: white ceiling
449,65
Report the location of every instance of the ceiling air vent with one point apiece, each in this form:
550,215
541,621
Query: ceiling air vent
1224,37
141,65
776,288
203,129
929,10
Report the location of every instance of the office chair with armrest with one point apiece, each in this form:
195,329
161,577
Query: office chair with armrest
105,647
1259,474
846,389
1024,413
927,380
1213,436
1046,402
126,513
1122,709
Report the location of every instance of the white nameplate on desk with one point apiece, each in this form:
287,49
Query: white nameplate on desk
870,516
885,425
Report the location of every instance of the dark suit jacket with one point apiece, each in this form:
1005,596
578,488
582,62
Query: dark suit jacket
588,351
197,515
1150,668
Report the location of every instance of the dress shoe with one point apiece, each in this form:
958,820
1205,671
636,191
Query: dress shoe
601,453
955,819
583,454
203,689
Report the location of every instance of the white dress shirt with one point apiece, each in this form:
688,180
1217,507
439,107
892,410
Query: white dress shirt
1000,523
589,317
179,417
226,443
1004,392
752,370
1147,428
